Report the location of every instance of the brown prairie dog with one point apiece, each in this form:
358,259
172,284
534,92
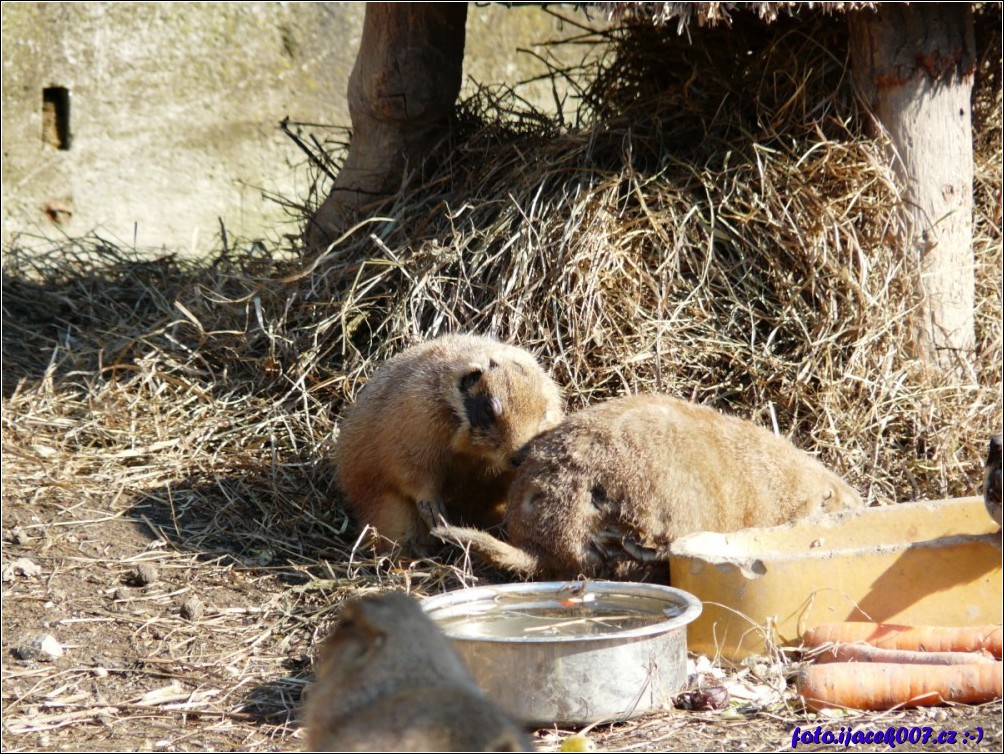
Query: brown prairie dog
605,493
390,681
434,433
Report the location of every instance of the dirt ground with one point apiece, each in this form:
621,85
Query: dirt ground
146,669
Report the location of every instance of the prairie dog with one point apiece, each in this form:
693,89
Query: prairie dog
390,681
992,479
435,432
605,493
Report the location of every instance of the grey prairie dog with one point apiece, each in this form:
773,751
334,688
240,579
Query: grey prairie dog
605,493
389,680
435,432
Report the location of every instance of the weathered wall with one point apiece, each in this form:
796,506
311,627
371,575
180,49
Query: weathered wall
174,110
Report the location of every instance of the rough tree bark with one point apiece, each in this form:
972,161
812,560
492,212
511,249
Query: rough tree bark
914,65
402,89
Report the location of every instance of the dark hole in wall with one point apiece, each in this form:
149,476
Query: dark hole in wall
56,117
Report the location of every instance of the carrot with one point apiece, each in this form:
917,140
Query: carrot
877,686
917,638
859,652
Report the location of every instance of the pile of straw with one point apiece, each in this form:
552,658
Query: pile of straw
716,224
710,221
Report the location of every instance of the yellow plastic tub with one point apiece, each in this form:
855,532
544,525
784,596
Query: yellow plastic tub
933,563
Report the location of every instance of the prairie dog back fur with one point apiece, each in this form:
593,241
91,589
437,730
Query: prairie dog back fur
435,431
389,680
605,493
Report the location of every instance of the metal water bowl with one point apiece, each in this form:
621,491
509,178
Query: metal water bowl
572,652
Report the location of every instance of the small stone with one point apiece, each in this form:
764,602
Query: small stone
100,672
43,648
259,557
759,667
121,594
44,450
192,608
143,574
21,567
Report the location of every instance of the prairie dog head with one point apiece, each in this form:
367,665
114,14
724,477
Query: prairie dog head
821,490
383,642
501,405
551,513
841,496
389,680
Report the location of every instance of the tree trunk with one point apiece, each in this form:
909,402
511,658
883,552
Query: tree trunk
402,90
914,66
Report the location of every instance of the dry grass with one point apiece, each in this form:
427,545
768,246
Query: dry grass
715,225
707,222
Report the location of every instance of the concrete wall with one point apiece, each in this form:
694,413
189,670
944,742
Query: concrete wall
174,110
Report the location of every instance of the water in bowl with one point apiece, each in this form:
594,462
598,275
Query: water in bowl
528,616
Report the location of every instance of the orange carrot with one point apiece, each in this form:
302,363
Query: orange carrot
877,686
917,638
860,652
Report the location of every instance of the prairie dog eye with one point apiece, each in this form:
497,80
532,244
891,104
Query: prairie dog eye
469,380
599,496
530,502
347,624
